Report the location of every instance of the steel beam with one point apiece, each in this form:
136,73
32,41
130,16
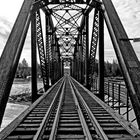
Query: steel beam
72,65
84,54
41,49
33,57
127,58
65,2
52,61
48,14
93,4
87,51
101,56
11,54
93,47
80,56
82,73
80,66
47,47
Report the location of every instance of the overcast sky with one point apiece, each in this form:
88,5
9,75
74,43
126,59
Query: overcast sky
128,10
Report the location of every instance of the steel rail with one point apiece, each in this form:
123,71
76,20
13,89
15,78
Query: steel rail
12,126
127,125
97,126
57,116
41,129
81,116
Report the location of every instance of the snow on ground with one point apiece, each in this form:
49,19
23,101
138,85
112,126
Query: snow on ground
12,111
20,87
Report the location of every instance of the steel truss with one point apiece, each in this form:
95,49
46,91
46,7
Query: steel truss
41,50
68,38
127,58
93,47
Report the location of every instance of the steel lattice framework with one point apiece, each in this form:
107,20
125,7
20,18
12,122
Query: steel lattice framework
66,39
41,49
94,40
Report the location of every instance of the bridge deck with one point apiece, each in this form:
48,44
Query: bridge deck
69,111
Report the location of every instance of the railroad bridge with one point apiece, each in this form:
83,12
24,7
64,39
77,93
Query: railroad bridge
74,104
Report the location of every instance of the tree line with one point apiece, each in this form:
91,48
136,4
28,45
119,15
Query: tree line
24,70
110,69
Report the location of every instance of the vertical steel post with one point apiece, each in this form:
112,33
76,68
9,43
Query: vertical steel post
47,49
33,57
93,46
108,91
113,94
119,99
80,58
127,105
74,67
53,61
41,49
77,67
81,54
70,67
101,56
59,66
84,55
82,65
87,51
62,68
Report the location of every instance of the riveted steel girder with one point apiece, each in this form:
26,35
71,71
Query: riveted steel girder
33,57
94,41
11,54
127,58
41,50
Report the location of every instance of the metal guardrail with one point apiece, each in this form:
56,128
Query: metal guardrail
117,97
117,91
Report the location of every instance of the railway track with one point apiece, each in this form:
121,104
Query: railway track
68,111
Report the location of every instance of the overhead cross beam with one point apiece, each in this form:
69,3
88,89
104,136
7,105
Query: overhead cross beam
66,32
69,7
66,1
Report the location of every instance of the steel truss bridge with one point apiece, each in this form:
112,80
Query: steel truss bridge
74,105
